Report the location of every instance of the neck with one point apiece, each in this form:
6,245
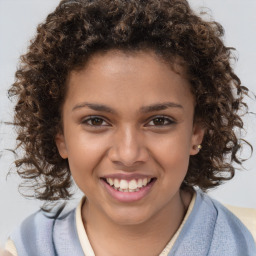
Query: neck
110,238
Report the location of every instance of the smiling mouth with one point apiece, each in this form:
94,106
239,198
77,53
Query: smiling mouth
133,185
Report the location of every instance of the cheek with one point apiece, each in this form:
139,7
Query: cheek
84,154
172,155
173,147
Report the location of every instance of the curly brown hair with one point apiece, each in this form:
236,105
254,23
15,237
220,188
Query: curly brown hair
79,28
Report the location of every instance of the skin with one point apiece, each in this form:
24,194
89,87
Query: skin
129,140
4,253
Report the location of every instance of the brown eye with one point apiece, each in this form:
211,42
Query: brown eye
95,121
160,121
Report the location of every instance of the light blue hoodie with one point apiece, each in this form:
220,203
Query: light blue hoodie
210,230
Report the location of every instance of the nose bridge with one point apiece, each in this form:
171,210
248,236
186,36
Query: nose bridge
128,146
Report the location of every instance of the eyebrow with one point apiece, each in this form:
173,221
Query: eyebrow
160,106
144,109
93,106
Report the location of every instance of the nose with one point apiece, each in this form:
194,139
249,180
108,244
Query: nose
128,147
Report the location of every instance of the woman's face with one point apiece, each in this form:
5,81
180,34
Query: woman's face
128,134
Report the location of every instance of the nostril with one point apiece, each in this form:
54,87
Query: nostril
128,155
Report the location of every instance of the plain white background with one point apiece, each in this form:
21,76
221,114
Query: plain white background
18,21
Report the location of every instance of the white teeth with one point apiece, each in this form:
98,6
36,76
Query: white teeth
133,184
128,186
139,183
116,183
144,181
110,181
124,184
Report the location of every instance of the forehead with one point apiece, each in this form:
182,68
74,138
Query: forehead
144,56
140,76
115,63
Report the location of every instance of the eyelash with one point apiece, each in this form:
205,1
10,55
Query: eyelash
167,121
93,118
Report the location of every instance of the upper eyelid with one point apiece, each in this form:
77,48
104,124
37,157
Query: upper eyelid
151,118
161,116
88,118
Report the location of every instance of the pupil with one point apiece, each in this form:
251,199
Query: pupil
159,121
96,121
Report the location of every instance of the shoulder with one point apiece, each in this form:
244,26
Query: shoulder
229,233
35,234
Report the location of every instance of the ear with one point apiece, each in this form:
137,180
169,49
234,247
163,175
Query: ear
61,145
197,138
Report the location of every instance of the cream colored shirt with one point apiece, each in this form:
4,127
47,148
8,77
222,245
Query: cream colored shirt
85,243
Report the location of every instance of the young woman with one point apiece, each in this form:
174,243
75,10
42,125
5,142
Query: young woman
136,102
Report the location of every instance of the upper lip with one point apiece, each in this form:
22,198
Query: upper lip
128,176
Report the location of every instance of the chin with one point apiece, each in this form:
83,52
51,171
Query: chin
130,217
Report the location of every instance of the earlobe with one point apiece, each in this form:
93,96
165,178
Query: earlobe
61,145
197,138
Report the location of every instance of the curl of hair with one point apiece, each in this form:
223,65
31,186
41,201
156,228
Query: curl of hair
79,28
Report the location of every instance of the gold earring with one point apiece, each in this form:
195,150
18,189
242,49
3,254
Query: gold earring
199,147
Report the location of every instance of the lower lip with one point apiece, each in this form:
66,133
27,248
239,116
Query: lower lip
128,196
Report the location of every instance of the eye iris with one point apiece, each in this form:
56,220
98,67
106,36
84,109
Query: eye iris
96,121
159,121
